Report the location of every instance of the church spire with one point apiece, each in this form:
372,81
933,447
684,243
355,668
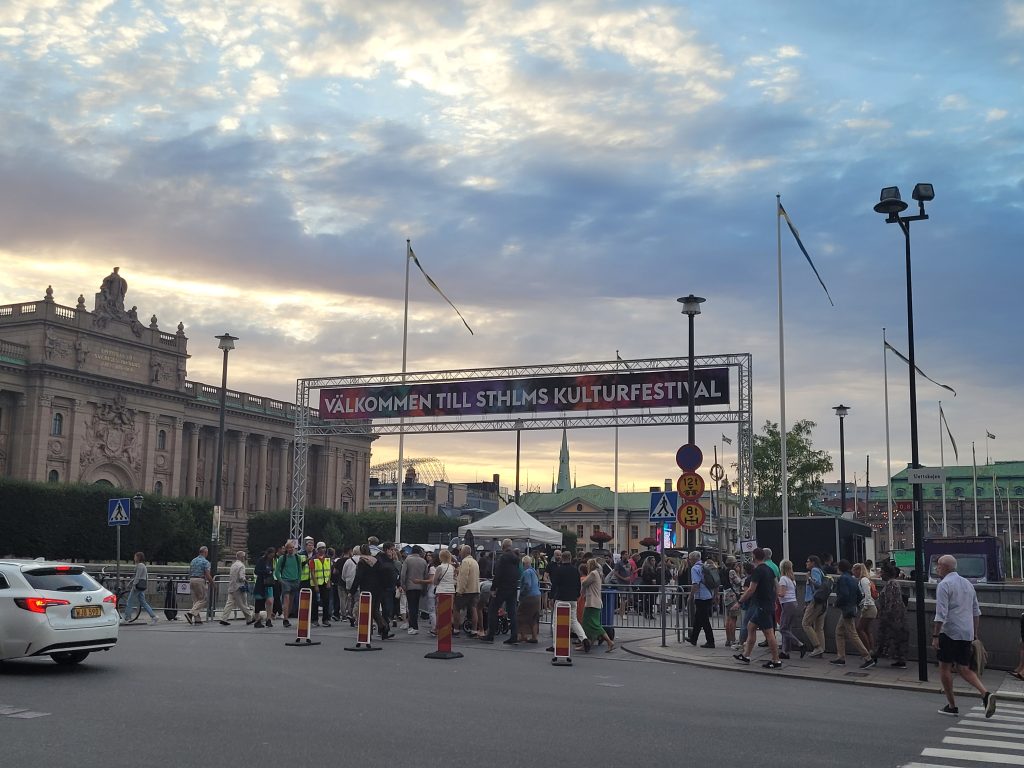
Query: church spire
563,464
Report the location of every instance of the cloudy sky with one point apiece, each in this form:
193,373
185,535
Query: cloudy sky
565,170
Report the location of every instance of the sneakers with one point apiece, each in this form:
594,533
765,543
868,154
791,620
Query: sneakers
772,665
741,658
838,662
411,631
763,644
486,639
951,711
817,653
586,645
286,623
990,703
869,663
737,646
154,620
188,617
510,641
784,655
432,633
708,645
899,665
258,625
225,623
326,625
803,651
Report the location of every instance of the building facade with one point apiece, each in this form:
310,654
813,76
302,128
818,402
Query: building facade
99,397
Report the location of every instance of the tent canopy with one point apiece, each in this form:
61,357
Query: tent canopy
512,522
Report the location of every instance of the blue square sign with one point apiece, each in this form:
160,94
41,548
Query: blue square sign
119,511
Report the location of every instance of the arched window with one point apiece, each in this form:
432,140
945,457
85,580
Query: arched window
958,491
57,427
161,440
981,491
938,493
1018,490
158,488
901,492
54,476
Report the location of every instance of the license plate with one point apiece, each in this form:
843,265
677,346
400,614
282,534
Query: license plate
86,612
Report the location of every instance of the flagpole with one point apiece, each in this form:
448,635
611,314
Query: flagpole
974,458
401,421
888,455
782,389
942,461
615,510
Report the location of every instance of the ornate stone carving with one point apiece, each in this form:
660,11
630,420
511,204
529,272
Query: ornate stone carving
55,448
81,351
110,300
111,435
156,371
56,347
133,321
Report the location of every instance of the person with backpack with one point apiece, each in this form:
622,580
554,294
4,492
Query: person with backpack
819,587
848,599
703,588
288,573
868,607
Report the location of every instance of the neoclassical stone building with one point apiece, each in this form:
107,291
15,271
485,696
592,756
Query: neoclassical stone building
100,397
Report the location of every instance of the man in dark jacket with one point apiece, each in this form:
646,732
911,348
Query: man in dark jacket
366,580
504,587
565,587
848,599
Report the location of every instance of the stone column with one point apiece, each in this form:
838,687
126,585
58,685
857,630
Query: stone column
240,471
258,487
41,438
284,476
149,457
177,454
74,471
188,488
331,486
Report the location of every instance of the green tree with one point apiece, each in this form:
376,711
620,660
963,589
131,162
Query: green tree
806,469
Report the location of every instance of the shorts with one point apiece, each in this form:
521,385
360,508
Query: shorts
761,617
466,601
954,651
288,586
869,612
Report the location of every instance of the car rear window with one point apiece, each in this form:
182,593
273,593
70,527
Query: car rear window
60,580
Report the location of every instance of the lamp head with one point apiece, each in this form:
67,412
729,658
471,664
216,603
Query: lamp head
137,501
923,193
227,342
841,410
691,304
889,202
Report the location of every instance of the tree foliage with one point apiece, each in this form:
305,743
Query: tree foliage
70,522
806,469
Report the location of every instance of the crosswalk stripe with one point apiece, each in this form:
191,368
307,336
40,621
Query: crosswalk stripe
983,722
980,757
1010,705
1000,734
927,765
981,743
27,715
997,716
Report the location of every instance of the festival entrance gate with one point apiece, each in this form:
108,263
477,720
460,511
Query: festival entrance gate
609,393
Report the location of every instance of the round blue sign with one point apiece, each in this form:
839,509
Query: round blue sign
689,457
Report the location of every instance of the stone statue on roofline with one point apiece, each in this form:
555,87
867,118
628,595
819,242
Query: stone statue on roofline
110,300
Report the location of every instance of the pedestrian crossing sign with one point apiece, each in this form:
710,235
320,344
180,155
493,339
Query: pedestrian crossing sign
119,511
664,506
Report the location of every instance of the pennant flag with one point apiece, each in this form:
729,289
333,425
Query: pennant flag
896,352
989,435
726,440
436,288
948,432
799,242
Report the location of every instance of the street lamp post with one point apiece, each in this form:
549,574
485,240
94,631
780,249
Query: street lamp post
691,308
841,411
226,343
892,205
519,430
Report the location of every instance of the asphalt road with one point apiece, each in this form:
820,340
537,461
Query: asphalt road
240,697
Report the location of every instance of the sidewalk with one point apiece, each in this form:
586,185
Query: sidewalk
881,676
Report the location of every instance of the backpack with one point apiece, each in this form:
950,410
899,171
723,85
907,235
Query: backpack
711,578
827,586
874,591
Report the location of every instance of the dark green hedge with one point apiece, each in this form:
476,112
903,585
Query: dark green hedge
270,529
70,522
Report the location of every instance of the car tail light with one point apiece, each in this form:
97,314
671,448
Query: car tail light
112,599
38,604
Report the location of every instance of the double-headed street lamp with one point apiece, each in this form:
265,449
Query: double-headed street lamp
226,343
841,411
691,308
891,204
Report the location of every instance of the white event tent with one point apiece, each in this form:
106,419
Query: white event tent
512,522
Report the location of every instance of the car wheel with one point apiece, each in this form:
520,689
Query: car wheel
66,658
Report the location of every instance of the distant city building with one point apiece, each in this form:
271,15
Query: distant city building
101,397
438,498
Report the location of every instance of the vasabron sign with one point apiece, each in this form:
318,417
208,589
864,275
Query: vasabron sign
589,392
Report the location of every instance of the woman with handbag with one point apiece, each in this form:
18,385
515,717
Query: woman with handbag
787,599
139,582
868,609
731,596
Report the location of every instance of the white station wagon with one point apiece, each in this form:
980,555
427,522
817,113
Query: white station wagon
53,609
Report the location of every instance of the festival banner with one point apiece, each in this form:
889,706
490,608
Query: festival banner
548,394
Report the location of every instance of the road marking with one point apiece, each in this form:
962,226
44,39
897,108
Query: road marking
1000,734
983,723
978,757
30,715
1011,718
981,743
6,710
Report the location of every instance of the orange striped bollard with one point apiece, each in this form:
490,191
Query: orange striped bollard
363,618
562,623
302,638
444,628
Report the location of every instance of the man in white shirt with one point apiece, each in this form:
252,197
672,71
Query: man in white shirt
957,616
238,588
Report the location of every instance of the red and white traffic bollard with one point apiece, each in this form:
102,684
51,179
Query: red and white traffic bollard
444,629
302,637
363,617
562,620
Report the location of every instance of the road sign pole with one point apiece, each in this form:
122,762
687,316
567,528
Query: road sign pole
117,570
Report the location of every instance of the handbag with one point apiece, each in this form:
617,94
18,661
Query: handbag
141,585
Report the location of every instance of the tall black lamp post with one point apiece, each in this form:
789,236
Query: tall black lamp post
691,308
226,343
891,204
841,411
